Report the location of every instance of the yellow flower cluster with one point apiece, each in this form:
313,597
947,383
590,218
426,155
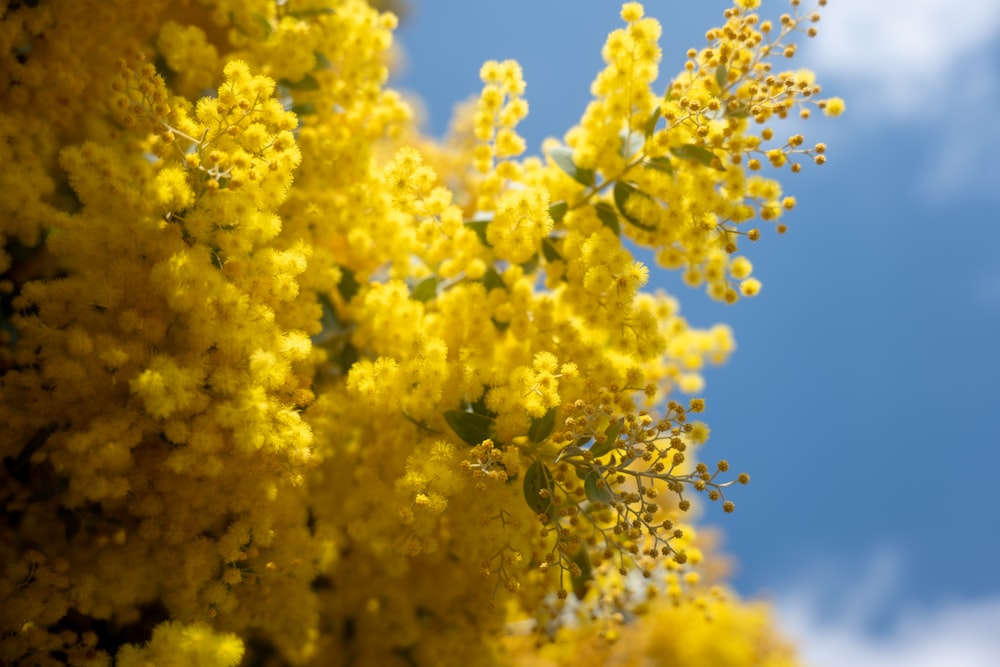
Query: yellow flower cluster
283,381
675,164
501,108
720,631
175,644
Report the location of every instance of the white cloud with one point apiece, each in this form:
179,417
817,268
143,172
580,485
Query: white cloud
929,68
907,57
832,614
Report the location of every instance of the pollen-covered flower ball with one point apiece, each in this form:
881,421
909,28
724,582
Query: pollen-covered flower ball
284,381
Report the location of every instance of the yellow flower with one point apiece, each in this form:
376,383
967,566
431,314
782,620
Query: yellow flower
834,107
521,221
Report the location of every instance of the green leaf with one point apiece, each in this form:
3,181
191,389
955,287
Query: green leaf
479,227
549,250
569,450
659,164
479,405
330,322
631,144
261,20
309,13
469,426
581,583
308,82
419,424
563,157
348,285
698,154
654,118
531,265
492,280
558,211
741,111
500,326
722,76
71,522
623,192
306,109
606,214
347,358
18,468
322,62
596,488
425,290
541,427
536,479
610,437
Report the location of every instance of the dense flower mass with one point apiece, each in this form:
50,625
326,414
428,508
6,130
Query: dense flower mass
284,382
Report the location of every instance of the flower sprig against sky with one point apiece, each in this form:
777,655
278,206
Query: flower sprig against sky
284,380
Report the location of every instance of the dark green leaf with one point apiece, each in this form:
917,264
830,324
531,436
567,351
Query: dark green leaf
18,468
722,76
531,265
348,357
558,210
623,192
500,326
492,280
606,214
479,405
610,437
309,13
306,109
581,583
541,427
308,82
568,451
322,62
419,424
614,429
654,118
596,488
549,250
71,522
330,322
425,290
348,285
536,479
479,227
698,154
563,157
660,164
261,20
469,426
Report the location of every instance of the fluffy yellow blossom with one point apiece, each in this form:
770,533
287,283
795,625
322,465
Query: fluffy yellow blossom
284,381
522,220
834,106
174,644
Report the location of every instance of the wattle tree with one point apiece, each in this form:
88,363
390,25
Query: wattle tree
285,382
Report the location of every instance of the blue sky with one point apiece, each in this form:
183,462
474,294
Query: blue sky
864,397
